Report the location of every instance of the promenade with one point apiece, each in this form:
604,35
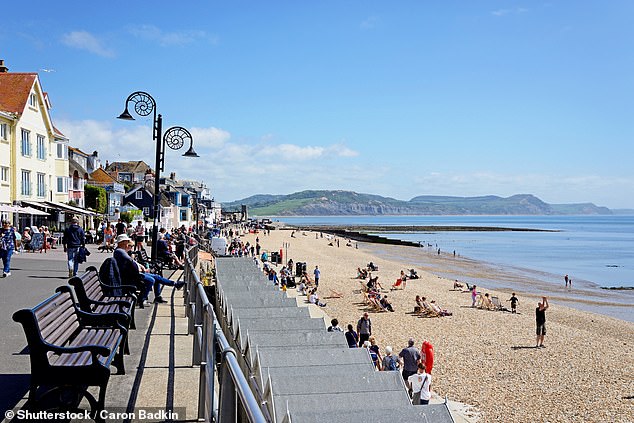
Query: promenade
159,375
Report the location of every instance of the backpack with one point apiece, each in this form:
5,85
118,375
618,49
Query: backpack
391,365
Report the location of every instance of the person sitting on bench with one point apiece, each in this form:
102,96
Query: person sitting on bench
164,254
133,272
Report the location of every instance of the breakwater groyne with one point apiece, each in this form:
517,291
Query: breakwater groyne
365,233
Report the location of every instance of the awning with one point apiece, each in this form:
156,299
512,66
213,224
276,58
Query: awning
32,211
73,209
59,206
21,210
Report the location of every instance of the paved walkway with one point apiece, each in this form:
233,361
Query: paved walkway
159,375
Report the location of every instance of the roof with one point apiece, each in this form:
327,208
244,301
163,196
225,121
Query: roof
77,150
134,166
100,176
14,90
58,132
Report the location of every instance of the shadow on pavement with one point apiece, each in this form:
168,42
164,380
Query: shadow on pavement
14,388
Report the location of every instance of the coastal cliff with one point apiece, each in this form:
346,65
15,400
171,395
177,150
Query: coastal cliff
342,203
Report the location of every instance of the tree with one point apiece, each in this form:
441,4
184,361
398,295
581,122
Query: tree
96,197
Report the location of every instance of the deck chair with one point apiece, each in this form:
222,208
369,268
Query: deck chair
376,305
497,305
397,285
428,312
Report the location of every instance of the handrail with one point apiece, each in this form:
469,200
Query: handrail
202,324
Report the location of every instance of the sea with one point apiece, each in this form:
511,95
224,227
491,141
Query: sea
596,252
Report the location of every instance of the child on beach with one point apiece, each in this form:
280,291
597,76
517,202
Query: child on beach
514,302
474,296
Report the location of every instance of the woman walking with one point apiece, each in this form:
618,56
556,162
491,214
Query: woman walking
7,246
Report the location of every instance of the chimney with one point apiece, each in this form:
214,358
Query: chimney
3,68
107,163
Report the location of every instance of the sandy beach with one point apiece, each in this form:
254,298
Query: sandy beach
483,358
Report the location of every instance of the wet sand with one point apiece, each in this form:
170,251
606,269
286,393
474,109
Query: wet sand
483,358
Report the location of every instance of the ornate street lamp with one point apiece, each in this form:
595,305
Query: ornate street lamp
175,138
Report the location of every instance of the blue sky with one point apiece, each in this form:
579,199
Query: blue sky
398,98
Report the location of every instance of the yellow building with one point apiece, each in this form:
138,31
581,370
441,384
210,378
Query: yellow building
33,153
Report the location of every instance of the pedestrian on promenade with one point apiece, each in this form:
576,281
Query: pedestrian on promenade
540,320
409,357
364,328
120,227
139,236
7,246
317,274
352,337
419,383
74,239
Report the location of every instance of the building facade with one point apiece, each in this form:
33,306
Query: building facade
28,140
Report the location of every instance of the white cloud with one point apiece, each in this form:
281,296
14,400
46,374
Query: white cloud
231,169
210,137
174,38
342,151
84,40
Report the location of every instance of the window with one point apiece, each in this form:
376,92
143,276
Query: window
41,185
62,151
4,174
138,195
62,184
33,100
146,211
4,131
26,182
26,143
41,147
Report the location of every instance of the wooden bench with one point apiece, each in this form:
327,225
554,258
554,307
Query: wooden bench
146,261
70,350
94,296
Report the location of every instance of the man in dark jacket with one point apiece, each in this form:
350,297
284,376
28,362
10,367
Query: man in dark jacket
133,273
74,238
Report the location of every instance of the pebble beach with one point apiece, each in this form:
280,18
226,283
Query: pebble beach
485,359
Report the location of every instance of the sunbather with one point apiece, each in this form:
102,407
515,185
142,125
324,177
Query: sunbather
314,298
385,303
437,309
484,302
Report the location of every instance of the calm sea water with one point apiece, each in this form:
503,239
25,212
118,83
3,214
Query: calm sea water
595,251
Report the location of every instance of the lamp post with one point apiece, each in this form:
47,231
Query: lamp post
174,137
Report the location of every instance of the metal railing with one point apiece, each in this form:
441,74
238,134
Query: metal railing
236,401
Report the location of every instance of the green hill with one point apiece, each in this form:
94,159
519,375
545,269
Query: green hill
336,203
